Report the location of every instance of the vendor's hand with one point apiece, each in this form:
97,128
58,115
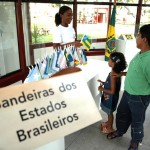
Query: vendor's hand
77,44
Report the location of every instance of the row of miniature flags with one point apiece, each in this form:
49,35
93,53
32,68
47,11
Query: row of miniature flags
60,59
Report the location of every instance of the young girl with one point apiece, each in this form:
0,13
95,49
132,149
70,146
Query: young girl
111,88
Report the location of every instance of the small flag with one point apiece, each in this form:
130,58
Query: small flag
34,75
62,60
54,67
84,58
69,58
111,35
86,42
79,55
48,62
42,67
75,56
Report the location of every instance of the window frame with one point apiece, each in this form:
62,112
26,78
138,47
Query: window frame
20,74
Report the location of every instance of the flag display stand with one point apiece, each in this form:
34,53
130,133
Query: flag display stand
126,43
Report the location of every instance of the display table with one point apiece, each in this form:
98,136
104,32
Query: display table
92,71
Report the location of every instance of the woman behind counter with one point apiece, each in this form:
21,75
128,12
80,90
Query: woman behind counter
63,33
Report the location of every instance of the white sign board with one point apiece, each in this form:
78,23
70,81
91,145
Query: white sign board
33,114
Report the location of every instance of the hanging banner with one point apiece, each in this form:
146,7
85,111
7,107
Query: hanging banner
33,114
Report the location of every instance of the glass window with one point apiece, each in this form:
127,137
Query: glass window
128,1
92,21
120,1
93,0
42,21
125,20
68,0
145,15
146,1
9,56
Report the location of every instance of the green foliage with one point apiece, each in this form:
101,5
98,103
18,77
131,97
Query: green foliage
35,34
95,36
38,37
79,36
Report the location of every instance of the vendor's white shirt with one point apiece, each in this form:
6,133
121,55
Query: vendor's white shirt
63,35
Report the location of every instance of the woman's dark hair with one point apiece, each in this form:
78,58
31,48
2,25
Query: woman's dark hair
62,10
120,62
145,32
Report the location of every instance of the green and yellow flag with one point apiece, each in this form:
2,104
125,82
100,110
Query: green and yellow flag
111,35
86,42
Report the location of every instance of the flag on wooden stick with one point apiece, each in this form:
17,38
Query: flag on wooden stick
86,42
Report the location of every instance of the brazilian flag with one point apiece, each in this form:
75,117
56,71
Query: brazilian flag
111,35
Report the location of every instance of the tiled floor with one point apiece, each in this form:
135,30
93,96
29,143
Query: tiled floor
90,138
